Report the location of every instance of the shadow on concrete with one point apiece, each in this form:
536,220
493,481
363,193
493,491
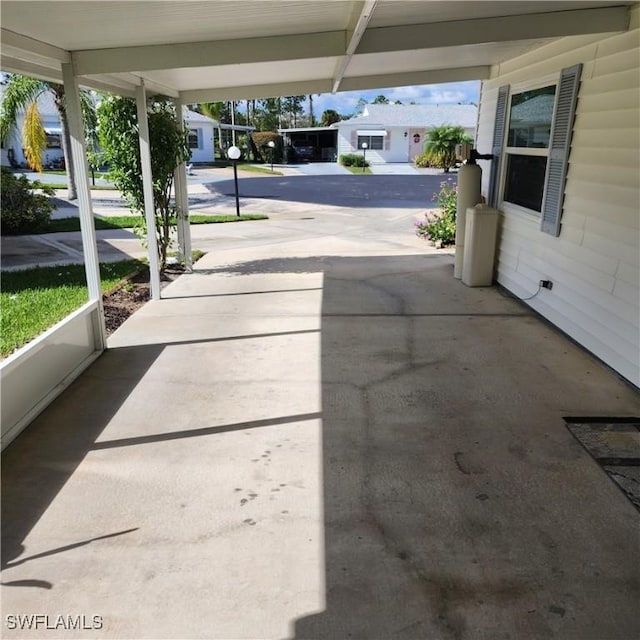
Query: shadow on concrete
377,191
41,460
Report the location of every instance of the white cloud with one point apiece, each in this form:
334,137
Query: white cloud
446,93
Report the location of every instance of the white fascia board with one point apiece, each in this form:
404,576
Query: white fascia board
112,84
206,54
500,29
359,83
256,91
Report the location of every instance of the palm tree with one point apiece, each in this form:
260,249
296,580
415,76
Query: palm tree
441,145
21,93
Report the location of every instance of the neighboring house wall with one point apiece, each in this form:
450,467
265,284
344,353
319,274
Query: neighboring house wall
594,262
50,121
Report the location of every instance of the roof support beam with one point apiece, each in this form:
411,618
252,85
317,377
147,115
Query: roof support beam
206,54
502,29
19,46
414,78
256,91
358,31
22,67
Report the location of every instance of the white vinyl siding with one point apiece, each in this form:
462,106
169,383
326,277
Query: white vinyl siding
594,264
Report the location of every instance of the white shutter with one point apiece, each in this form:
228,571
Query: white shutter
560,145
496,149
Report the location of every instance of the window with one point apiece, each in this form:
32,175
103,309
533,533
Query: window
53,141
194,138
373,142
531,141
527,146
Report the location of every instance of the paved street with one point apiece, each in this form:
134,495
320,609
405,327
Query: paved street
373,204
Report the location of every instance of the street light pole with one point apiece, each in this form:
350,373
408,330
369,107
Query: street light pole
365,146
272,145
234,155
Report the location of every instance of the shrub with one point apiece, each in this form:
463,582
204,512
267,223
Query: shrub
424,160
440,226
353,160
24,211
261,149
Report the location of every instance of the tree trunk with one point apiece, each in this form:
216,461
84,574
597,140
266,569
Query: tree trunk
66,147
311,116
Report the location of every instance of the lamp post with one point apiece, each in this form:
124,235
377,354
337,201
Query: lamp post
233,153
365,146
272,145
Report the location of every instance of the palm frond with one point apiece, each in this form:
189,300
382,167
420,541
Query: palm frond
34,137
19,92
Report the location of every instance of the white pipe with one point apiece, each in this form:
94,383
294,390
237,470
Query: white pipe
469,195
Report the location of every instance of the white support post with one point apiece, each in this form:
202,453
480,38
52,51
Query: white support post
182,201
85,209
147,184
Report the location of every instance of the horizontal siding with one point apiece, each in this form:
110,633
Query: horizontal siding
595,262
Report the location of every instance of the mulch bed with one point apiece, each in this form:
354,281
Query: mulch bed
132,294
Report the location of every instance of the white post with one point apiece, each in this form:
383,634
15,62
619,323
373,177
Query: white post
147,184
182,200
87,225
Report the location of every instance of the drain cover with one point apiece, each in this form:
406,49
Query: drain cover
614,444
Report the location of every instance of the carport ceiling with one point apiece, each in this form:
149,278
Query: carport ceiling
223,49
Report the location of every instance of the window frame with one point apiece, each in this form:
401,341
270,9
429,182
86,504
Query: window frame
197,132
361,139
515,89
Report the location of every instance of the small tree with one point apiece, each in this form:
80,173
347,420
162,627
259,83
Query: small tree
440,146
118,134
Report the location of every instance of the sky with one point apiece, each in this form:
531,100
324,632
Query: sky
449,93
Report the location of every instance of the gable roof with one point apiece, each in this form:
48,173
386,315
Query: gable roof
416,115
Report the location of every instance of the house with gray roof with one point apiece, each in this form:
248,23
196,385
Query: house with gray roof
397,132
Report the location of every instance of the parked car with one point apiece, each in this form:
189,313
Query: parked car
303,152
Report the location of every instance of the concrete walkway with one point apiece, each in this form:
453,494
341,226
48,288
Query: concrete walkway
321,434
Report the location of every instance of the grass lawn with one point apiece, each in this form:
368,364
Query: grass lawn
63,185
358,170
128,222
35,299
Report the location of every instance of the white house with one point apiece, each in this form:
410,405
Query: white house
396,132
206,135
12,150
201,135
563,123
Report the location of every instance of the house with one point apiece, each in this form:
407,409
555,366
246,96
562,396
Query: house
202,135
12,151
397,132
562,121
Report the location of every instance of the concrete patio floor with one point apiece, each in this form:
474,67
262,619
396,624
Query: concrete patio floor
321,434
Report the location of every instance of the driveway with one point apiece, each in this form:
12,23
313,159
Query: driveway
320,433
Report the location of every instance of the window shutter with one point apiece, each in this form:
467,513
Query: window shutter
496,149
387,141
354,139
564,113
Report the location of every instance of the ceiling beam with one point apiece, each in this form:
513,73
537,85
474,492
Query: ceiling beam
25,48
9,64
501,29
360,83
207,54
252,92
361,23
